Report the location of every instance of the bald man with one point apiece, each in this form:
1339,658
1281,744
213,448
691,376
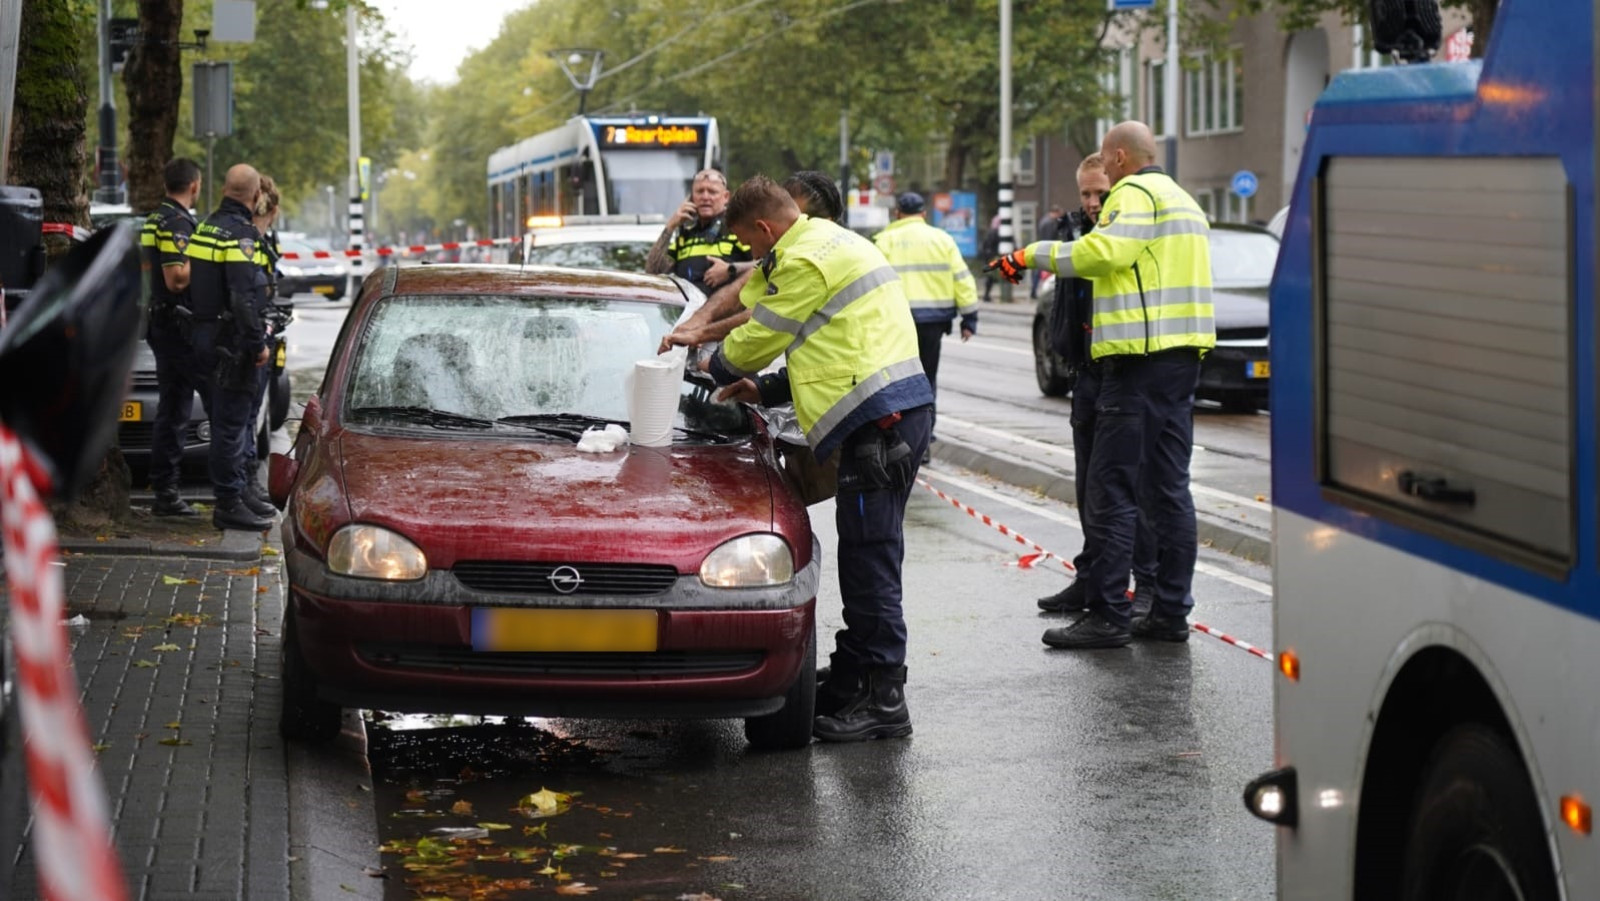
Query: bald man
1149,258
696,243
230,344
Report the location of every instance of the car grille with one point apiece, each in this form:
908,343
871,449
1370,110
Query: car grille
145,379
518,663
136,436
534,578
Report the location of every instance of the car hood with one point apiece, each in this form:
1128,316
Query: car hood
493,499
1240,308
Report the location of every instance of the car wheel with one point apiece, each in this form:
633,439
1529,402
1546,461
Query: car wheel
790,727
1477,831
1047,364
304,716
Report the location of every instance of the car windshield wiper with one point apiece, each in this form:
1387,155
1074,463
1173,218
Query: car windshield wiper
441,419
699,433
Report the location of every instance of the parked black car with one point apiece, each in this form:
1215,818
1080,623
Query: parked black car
1237,373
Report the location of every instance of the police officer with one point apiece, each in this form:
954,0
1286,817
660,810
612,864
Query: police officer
937,282
1150,261
265,259
696,243
163,243
229,336
1071,323
828,298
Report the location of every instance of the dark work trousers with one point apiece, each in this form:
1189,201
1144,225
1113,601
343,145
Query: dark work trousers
249,462
1144,432
229,411
176,382
930,337
871,521
1085,394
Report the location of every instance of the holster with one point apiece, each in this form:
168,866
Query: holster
235,370
882,461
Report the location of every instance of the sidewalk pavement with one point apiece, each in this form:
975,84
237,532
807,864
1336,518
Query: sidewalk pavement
177,667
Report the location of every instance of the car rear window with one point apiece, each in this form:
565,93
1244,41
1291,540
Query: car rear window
1242,259
491,357
627,256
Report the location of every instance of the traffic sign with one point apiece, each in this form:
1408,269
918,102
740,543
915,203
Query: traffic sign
883,163
1244,183
883,184
1115,5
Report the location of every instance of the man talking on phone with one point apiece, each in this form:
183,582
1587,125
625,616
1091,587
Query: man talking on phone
696,244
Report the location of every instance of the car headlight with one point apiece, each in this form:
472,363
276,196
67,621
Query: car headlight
292,271
370,552
748,562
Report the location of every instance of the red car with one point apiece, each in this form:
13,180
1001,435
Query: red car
449,549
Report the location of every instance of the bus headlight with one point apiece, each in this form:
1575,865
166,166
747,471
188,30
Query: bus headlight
749,561
370,552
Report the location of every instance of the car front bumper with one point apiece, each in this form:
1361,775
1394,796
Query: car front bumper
408,647
1235,370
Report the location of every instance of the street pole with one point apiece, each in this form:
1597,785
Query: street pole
10,43
356,218
1005,140
844,152
110,190
1169,77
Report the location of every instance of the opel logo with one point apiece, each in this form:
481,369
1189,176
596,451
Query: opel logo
565,579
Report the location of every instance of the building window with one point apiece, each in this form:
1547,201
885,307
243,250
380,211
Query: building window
1222,205
1117,83
1215,95
1027,217
1155,97
1027,172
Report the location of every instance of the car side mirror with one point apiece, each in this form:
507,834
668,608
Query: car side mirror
281,472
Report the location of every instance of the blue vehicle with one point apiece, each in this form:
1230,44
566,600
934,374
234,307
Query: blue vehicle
1435,468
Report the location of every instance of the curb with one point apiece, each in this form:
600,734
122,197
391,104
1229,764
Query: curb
235,545
1057,484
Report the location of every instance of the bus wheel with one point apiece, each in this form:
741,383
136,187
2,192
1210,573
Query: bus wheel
1476,831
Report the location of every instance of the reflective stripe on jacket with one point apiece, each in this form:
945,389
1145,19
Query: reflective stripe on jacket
833,304
1150,259
163,241
937,282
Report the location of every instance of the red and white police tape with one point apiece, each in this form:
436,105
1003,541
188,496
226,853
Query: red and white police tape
1028,561
72,848
76,233
403,251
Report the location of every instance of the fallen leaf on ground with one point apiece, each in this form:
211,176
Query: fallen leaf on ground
99,746
174,725
576,888
495,827
544,803
144,664
261,589
462,808
176,742
191,620
719,858
269,552
174,580
671,851
169,646
627,855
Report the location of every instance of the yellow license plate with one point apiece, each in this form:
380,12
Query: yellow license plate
321,289
132,411
283,354
511,629
1260,369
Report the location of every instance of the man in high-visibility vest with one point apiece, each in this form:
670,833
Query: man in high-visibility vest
938,284
827,298
1150,260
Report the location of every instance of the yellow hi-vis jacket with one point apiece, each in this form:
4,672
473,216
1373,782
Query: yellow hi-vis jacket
1150,259
829,300
938,284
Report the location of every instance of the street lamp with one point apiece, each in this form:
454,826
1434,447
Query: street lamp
571,61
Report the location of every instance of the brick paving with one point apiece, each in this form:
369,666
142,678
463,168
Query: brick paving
189,750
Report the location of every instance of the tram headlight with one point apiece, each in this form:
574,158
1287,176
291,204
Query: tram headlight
1273,797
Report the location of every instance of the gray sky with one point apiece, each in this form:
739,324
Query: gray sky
441,35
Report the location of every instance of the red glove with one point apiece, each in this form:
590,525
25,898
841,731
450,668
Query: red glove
1011,266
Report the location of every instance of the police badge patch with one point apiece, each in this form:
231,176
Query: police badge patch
181,242
1108,217
247,247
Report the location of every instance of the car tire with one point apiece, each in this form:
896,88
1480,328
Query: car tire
1476,831
790,726
1048,367
304,716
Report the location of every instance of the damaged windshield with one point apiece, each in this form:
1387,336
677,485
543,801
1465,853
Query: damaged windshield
520,358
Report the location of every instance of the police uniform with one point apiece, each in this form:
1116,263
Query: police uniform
828,299
163,242
694,246
1150,261
266,283
938,284
229,334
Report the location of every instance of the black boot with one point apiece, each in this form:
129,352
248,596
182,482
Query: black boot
877,711
233,514
1144,597
837,686
253,496
168,503
1072,599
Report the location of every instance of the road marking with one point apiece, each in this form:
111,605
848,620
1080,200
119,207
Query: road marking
970,487
984,345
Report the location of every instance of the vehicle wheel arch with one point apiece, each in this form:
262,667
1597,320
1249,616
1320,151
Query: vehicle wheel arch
1439,680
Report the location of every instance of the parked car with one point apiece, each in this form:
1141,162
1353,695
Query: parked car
308,275
450,549
1236,374
591,242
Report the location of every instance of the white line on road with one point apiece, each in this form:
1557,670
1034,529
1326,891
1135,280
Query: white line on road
1025,441
970,487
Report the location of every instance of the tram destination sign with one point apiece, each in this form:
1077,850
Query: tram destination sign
642,136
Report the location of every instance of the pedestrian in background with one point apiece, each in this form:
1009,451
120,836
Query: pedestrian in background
988,250
937,282
1071,333
1047,230
1150,261
163,242
828,298
229,337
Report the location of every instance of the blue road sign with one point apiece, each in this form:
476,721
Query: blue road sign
1131,4
1244,183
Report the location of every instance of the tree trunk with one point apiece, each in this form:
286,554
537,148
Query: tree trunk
1482,24
153,77
47,152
